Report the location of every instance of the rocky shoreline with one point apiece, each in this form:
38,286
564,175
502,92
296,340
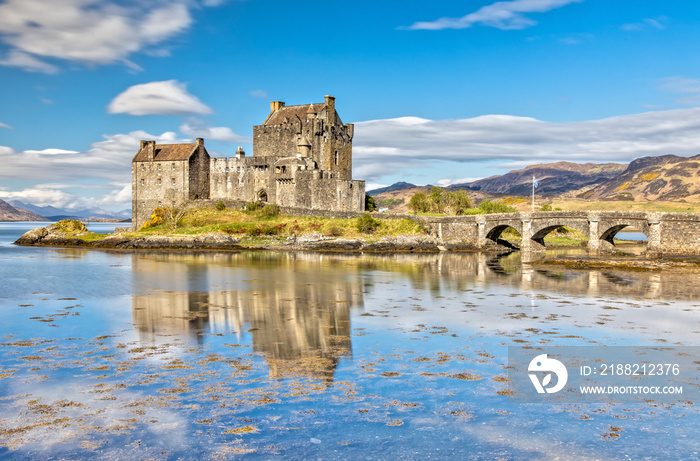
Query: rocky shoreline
54,236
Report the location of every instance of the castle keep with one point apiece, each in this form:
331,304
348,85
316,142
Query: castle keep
302,157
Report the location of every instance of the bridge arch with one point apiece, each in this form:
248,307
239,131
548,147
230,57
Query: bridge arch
608,229
496,231
543,226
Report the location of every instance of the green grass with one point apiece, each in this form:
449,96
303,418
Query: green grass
72,228
260,224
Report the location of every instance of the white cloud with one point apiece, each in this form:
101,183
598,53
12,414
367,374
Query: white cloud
448,182
118,198
501,15
196,128
398,145
109,159
51,151
163,98
3,125
43,196
105,166
89,31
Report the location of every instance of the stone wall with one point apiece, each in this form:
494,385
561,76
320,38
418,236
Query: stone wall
288,182
679,233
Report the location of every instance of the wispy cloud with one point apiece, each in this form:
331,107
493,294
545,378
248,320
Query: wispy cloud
401,144
689,88
157,98
197,129
501,15
6,126
16,58
262,94
646,24
88,31
576,39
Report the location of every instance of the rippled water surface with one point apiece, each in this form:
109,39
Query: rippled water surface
306,355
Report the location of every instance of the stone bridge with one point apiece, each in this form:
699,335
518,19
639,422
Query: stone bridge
667,233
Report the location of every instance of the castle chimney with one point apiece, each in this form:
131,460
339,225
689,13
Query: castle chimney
330,110
276,105
151,148
240,153
200,142
143,143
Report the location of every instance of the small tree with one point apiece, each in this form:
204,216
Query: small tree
456,202
437,204
419,203
367,224
370,203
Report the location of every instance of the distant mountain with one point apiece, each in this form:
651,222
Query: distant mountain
393,187
553,178
665,178
10,213
54,213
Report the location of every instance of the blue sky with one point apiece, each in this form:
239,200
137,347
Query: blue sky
440,92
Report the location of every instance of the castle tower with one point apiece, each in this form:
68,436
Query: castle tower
286,126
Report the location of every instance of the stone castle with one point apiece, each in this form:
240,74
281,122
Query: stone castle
302,158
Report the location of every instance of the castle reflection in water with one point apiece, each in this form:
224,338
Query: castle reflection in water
297,309
298,306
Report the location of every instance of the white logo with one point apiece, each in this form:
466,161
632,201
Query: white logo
542,363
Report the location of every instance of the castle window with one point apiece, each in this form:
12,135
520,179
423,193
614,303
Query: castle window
336,157
143,167
159,182
173,166
173,181
160,203
143,182
159,167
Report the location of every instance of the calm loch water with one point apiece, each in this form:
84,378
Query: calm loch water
307,355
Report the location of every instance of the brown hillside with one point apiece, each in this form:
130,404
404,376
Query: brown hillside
10,213
553,178
665,178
